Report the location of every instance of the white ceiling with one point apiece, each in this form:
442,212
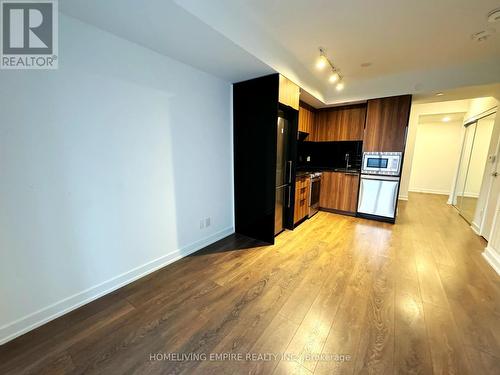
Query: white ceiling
468,92
414,46
438,118
417,47
165,27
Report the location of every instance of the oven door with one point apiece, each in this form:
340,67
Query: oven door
378,196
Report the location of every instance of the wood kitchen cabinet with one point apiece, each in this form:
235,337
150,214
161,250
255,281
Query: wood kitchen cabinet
302,191
339,191
340,124
306,118
386,124
289,93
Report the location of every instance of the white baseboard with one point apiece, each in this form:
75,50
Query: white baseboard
492,258
475,228
29,322
403,197
429,191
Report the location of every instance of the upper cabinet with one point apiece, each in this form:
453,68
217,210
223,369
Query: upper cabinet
289,93
386,124
340,124
306,118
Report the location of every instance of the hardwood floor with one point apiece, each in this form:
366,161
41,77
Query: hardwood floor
337,295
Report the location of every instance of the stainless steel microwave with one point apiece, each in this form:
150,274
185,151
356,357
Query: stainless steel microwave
382,163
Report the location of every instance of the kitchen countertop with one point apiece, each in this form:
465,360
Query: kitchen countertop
301,173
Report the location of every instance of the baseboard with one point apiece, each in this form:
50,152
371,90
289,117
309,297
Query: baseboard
403,197
471,195
492,258
429,191
475,228
25,324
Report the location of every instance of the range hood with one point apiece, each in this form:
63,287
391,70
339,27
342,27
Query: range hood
302,136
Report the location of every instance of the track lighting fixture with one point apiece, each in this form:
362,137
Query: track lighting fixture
335,74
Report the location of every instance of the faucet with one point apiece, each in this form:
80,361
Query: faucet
347,165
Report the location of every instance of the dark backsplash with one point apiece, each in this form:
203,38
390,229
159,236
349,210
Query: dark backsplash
329,155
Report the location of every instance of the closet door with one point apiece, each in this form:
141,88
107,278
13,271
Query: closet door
473,166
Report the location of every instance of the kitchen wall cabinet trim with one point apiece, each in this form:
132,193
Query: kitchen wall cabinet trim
307,116
289,93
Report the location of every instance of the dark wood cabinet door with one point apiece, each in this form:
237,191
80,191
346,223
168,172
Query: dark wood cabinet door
306,118
339,191
320,129
340,124
301,209
347,123
386,124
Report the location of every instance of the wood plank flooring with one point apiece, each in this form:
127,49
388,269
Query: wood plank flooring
338,295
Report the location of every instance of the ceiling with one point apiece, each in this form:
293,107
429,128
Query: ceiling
419,47
165,27
469,92
438,118
414,47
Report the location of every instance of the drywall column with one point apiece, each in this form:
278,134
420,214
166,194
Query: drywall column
492,251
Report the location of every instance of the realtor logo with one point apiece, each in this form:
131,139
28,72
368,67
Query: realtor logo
29,34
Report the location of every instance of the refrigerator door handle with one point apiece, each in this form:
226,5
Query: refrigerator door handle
290,164
289,196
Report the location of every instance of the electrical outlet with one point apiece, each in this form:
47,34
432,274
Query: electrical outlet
202,224
207,222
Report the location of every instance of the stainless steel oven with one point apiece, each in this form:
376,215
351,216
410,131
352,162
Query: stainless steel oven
314,193
379,185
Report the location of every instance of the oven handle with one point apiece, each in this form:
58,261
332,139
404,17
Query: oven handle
383,178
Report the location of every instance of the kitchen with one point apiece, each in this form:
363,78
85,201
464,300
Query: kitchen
291,159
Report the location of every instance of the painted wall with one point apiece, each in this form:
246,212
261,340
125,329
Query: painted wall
437,147
492,251
107,166
416,111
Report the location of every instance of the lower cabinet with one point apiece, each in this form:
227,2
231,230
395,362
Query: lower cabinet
302,187
339,191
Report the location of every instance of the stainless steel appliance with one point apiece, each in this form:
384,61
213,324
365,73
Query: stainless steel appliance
379,185
382,163
283,174
314,193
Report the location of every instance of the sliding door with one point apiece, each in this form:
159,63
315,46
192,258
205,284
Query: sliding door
472,166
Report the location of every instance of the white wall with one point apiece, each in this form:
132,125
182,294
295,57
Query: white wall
417,110
107,166
437,149
492,251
